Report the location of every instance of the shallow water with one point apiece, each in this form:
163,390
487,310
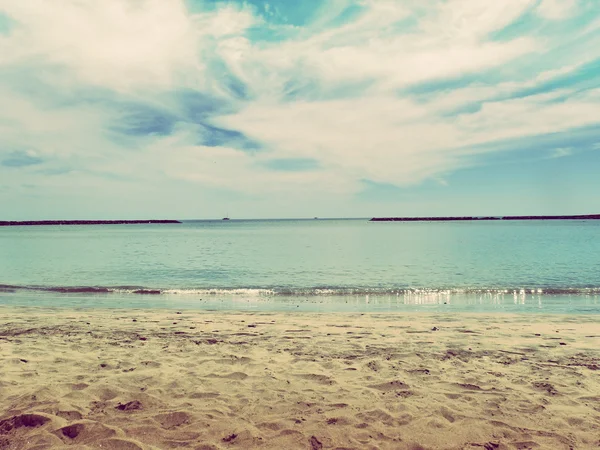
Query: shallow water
549,266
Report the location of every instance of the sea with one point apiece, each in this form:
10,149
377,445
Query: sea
317,265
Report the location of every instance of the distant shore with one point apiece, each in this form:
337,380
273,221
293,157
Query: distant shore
466,218
81,222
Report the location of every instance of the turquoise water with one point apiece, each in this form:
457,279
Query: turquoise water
550,266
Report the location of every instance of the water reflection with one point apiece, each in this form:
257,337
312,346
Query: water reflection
448,301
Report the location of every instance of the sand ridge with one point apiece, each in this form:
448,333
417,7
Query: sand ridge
116,379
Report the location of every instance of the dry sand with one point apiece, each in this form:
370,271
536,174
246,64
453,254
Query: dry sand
206,380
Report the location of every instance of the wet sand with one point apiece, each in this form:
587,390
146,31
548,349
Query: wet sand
79,379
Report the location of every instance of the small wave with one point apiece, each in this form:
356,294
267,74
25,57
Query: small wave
246,292
320,291
79,290
59,289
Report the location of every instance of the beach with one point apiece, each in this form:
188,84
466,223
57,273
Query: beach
152,379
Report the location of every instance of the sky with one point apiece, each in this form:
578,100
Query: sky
272,109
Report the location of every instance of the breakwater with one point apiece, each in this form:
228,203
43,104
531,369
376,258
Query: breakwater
82,222
475,218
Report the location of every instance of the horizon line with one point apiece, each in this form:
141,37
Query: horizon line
370,219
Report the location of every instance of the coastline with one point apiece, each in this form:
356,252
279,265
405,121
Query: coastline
483,218
27,223
131,379
584,301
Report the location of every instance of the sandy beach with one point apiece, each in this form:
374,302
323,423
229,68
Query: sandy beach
125,380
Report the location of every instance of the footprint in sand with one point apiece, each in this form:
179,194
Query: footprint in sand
272,426
23,420
389,386
232,376
447,414
547,387
173,419
105,393
377,416
321,379
236,376
203,395
84,432
152,364
129,406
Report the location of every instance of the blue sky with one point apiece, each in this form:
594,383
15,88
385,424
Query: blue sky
198,108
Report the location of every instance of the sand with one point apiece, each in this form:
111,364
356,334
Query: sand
79,379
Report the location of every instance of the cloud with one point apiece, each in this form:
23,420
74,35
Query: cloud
21,158
302,99
375,47
6,24
556,9
142,120
561,152
292,164
125,45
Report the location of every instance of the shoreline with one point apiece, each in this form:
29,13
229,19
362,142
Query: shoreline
447,315
426,302
81,222
483,218
134,379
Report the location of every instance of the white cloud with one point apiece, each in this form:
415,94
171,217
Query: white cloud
143,50
557,9
473,19
119,44
398,141
396,67
561,152
372,47
66,131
